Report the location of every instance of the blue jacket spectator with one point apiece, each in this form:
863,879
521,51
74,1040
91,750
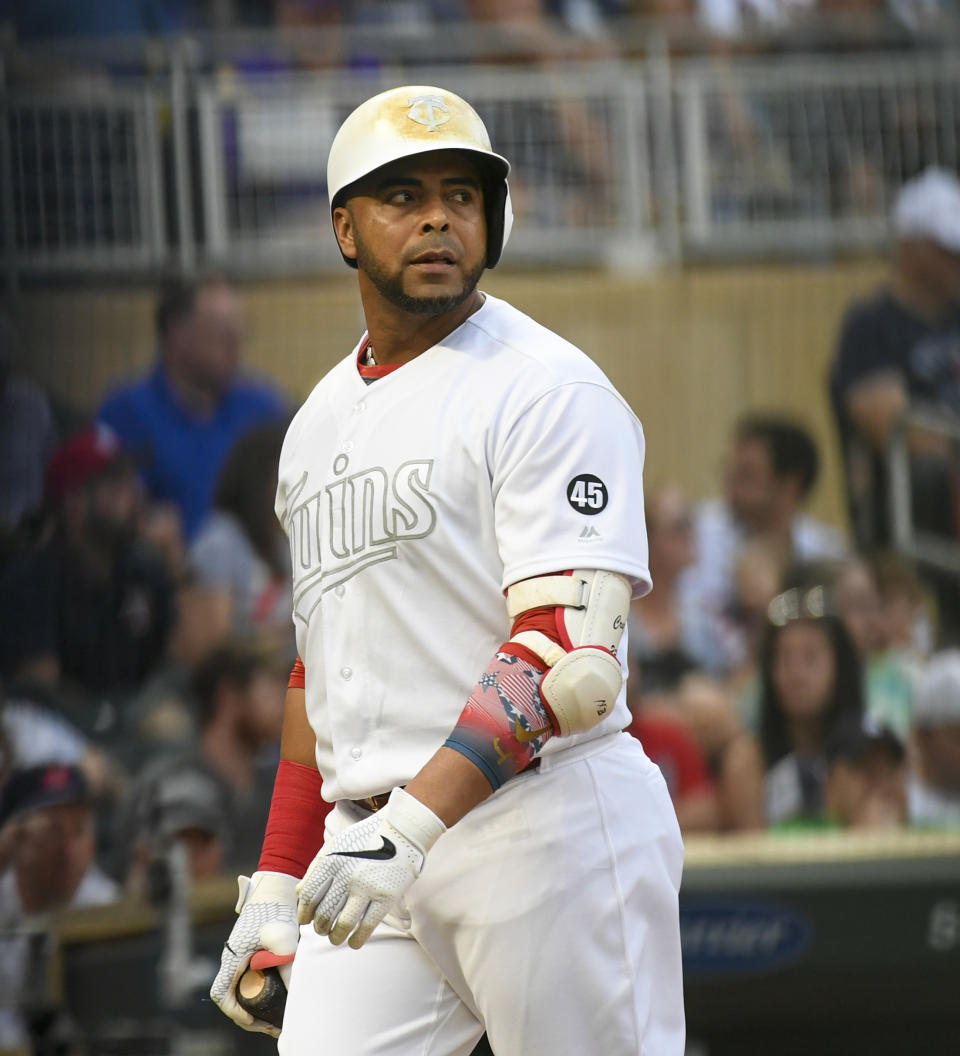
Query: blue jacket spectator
182,419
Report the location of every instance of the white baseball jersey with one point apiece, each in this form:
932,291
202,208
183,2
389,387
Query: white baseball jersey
410,504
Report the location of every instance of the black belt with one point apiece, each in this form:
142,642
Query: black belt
372,804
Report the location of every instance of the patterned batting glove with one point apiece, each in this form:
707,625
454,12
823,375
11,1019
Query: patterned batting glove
267,921
361,875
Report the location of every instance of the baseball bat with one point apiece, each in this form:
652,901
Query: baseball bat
261,991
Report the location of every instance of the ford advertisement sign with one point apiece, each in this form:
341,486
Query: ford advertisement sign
730,936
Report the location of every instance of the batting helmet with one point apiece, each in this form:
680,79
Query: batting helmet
413,120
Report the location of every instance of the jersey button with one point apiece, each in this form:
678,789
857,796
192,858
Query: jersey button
356,752
360,407
339,590
346,673
348,446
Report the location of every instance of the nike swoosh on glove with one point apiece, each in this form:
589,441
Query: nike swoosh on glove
361,875
267,921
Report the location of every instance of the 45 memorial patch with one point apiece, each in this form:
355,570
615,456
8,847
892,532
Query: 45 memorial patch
587,494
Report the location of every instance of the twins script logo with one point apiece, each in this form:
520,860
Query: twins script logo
361,517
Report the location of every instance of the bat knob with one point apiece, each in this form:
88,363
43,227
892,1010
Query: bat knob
261,992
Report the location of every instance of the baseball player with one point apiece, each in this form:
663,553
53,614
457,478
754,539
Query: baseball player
463,500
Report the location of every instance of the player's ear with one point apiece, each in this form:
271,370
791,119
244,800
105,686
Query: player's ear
343,229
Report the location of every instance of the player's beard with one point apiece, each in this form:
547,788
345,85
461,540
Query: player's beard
390,286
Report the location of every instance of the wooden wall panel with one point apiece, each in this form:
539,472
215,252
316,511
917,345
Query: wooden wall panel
690,350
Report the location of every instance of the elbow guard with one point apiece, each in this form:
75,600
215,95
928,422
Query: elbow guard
584,676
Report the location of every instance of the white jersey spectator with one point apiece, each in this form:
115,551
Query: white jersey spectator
771,471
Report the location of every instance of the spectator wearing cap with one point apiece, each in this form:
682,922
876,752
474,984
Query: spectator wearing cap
866,776
933,788
182,419
176,800
50,808
48,819
900,349
92,607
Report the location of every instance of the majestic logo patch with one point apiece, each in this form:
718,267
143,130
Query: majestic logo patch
587,494
428,110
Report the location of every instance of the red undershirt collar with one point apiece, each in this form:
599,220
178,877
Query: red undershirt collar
375,371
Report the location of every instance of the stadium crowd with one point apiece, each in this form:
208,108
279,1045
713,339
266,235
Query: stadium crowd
361,33
145,595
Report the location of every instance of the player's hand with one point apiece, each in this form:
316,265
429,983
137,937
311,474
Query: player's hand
267,921
360,875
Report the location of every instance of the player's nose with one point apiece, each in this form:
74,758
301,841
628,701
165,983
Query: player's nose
434,215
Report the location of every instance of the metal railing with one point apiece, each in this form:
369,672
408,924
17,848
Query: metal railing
615,163
806,155
936,432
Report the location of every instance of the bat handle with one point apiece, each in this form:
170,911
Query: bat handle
263,994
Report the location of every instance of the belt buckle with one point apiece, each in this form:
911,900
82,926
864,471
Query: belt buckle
375,803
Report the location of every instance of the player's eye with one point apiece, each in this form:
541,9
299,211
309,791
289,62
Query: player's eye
400,197
464,196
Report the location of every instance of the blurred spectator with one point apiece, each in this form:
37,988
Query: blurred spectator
758,576
904,625
770,474
50,808
667,742
889,652
810,677
239,695
657,635
856,599
710,713
899,350
240,558
866,776
47,815
56,19
37,729
91,605
734,19
182,419
37,734
933,788
174,802
28,437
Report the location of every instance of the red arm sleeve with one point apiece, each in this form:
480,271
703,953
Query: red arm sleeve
297,676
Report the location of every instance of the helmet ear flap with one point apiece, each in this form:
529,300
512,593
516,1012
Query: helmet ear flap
499,210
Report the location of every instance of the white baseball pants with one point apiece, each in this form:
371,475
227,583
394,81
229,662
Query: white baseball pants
548,916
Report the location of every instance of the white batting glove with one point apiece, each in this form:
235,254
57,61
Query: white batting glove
361,874
267,921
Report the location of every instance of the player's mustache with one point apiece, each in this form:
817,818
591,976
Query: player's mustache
437,248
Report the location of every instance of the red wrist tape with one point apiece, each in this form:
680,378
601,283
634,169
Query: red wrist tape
295,827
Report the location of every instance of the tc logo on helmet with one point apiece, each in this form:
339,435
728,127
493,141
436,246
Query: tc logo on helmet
428,110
